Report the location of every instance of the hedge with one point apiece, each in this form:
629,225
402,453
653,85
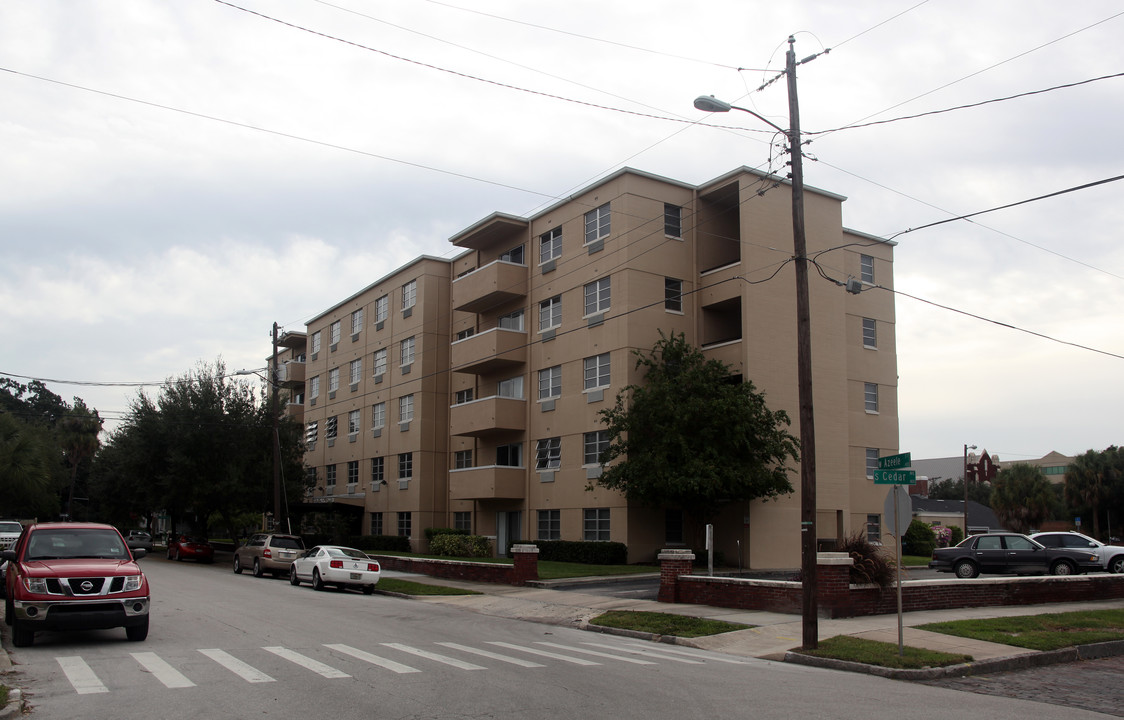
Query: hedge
460,545
589,553
432,532
393,543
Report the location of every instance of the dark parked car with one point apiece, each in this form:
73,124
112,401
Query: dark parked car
1010,553
184,547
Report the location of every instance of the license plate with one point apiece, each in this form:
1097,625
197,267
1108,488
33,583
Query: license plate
356,576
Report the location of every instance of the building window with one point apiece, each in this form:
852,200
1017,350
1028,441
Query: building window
378,471
550,524
330,428
514,255
550,313
870,333
405,524
312,432
511,388
376,523
333,380
330,477
356,371
380,362
405,466
595,524
462,520
548,455
314,387
672,294
464,396
597,371
378,415
597,296
866,268
550,382
466,333
356,321
316,342
334,333
353,422
596,442
874,528
382,308
406,408
510,455
407,351
870,394
511,321
597,224
352,473
871,462
409,294
462,459
672,220
550,245
673,526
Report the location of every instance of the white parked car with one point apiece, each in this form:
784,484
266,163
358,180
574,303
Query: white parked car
1111,556
335,565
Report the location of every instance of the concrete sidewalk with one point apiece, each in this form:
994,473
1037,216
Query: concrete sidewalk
771,636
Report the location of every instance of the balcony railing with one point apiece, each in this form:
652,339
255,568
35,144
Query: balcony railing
490,350
488,415
493,482
495,283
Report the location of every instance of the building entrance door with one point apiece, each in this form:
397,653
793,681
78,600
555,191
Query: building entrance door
508,530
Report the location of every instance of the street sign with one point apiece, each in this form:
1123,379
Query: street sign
895,462
897,511
895,477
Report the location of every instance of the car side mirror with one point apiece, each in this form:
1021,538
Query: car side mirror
138,553
8,555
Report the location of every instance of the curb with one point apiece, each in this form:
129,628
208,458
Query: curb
14,708
1024,661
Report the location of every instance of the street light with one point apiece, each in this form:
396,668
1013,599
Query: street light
966,449
708,103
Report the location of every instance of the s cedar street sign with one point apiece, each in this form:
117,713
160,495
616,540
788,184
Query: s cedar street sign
890,470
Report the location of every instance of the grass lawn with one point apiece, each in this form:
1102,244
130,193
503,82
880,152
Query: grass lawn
664,623
1040,632
407,587
883,654
915,560
548,569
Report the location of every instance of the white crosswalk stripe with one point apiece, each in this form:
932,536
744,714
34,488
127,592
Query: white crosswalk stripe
648,653
687,653
596,653
236,666
544,653
495,656
306,662
436,657
373,659
162,671
81,677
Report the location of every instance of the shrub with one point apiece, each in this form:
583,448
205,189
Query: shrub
919,539
460,545
374,543
433,532
589,553
957,535
872,565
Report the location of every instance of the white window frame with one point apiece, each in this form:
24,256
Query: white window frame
673,295
550,382
380,362
598,440
331,425
598,296
316,342
511,321
406,408
866,268
355,369
673,221
870,333
598,224
314,387
550,313
382,308
870,397
334,333
550,525
356,321
378,415
872,455
409,294
510,388
405,466
407,351
460,397
550,245
515,448
515,255
596,524
462,459
595,368
353,422
548,454
333,379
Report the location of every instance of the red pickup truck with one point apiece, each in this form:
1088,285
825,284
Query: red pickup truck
74,576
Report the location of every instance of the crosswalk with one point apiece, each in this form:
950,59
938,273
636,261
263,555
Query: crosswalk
398,658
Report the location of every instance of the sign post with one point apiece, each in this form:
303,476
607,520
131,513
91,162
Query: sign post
898,505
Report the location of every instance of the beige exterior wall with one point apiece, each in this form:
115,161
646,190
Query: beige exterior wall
734,261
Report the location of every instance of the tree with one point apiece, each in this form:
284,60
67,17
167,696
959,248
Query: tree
954,490
1022,497
1089,481
689,438
25,470
78,437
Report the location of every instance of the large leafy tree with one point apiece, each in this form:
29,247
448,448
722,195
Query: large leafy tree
954,490
1092,481
1022,497
690,438
78,436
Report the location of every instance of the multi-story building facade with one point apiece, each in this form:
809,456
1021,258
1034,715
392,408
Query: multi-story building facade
490,368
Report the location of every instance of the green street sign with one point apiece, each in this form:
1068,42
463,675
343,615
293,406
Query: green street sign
895,477
895,462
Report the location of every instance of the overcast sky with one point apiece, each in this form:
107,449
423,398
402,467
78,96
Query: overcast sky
177,176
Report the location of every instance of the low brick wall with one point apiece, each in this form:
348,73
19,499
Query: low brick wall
525,567
836,597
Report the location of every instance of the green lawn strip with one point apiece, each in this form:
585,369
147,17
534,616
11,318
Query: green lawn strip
548,569
408,587
664,623
915,560
1040,632
883,654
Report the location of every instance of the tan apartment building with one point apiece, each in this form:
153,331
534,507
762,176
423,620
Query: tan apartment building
471,387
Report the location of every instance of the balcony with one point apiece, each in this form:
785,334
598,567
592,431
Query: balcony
488,415
492,285
290,373
295,411
494,482
490,350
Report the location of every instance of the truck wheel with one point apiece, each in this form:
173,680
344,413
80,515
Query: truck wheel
22,635
137,633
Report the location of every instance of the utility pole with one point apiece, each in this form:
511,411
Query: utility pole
274,401
811,636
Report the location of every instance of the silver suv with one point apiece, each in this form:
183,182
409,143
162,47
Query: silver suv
268,553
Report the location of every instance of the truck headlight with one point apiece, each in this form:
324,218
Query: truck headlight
36,585
132,582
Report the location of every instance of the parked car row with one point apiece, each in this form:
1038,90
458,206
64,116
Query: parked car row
1013,553
285,555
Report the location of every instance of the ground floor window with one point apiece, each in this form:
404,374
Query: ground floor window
550,524
405,524
376,523
462,521
874,528
596,524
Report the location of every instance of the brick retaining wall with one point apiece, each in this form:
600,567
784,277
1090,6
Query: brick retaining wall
524,569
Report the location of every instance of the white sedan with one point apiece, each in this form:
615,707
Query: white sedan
334,565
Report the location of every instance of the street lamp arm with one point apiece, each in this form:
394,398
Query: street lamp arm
709,103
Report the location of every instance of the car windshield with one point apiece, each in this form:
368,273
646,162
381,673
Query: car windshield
291,543
11,527
74,543
347,552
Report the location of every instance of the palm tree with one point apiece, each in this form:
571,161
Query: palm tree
1087,481
1022,497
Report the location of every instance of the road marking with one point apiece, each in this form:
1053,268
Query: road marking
435,657
373,659
306,662
162,671
236,666
647,653
495,656
81,677
634,661
712,658
544,653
